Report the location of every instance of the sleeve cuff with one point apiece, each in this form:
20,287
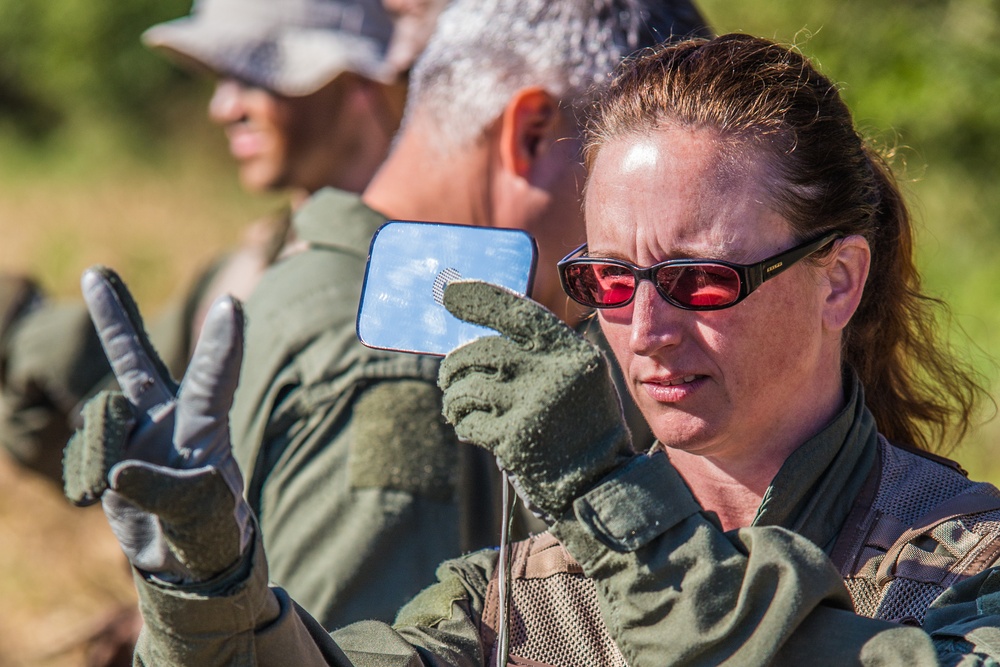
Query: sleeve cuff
239,604
635,504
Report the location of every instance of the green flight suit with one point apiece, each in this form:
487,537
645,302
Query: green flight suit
673,588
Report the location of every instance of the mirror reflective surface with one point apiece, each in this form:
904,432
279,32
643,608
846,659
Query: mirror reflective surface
409,265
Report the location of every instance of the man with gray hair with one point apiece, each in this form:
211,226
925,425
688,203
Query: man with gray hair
357,481
359,485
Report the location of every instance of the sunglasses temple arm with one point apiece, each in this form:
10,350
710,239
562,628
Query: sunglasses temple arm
774,266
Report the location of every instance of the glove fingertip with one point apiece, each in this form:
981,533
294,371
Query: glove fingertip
476,301
92,277
97,447
113,309
99,282
513,315
96,273
101,278
213,372
225,321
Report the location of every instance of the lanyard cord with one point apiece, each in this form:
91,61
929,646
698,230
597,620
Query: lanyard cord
503,644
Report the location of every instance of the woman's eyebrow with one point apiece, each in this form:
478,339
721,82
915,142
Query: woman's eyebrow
680,253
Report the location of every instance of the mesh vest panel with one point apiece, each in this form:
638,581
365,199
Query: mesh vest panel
555,616
940,547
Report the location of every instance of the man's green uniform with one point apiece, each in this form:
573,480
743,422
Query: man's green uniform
359,484
672,587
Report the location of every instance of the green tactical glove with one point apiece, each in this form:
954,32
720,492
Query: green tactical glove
539,397
157,454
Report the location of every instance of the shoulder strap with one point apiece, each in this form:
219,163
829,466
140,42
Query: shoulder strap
859,521
865,524
538,558
951,509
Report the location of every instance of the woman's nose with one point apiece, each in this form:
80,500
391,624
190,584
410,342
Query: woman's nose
655,323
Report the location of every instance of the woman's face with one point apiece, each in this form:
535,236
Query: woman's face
719,382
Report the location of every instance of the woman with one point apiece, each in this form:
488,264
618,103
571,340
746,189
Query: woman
750,263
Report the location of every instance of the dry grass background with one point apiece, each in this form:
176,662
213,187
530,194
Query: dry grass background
61,571
63,574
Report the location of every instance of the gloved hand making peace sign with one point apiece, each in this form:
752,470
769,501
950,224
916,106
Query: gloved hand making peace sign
539,397
157,454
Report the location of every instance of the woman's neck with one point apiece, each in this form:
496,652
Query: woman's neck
731,480
733,493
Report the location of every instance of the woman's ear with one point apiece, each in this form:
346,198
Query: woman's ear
530,121
846,272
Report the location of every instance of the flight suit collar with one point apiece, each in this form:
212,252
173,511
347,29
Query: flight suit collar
814,490
336,219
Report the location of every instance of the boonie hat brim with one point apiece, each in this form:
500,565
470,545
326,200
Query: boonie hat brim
289,60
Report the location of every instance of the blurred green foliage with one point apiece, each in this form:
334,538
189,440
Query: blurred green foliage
75,63
927,70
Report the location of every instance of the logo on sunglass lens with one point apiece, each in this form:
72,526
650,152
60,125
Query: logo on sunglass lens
446,276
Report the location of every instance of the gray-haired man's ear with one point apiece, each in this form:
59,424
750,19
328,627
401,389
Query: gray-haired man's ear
529,125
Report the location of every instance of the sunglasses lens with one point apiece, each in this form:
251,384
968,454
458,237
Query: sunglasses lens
599,285
699,285
695,286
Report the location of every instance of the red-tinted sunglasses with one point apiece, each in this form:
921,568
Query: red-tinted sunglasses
691,284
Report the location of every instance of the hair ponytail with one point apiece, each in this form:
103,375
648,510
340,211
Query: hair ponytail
918,391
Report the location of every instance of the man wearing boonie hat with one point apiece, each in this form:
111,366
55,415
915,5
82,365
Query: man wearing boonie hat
330,102
305,97
309,93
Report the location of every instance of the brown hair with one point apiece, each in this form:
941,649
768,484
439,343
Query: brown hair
764,99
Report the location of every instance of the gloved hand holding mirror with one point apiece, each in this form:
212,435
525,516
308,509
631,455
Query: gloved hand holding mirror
409,266
538,396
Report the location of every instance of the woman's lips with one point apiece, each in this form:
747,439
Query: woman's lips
673,389
680,380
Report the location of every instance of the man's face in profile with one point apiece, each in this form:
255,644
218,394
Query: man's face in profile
282,142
